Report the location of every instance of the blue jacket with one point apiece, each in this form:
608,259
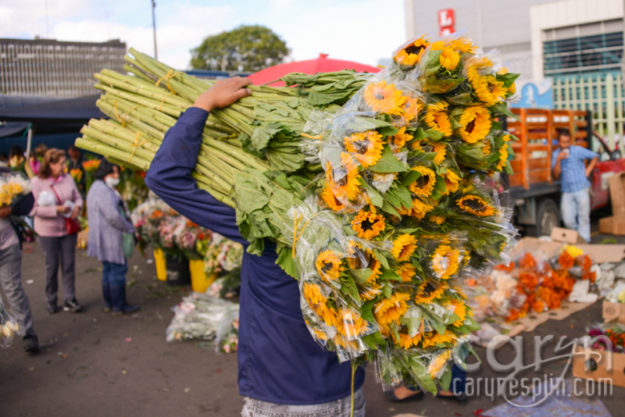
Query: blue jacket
106,224
278,359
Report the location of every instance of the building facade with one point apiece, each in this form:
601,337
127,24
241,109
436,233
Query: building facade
45,67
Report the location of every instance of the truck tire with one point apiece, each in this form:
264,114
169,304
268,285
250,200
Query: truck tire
547,217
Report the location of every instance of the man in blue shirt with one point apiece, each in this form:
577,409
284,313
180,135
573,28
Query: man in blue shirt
568,164
282,370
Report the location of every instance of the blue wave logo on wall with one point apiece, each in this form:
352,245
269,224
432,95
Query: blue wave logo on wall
535,94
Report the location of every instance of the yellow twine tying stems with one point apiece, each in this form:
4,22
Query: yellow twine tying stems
168,76
318,137
136,145
160,107
119,119
297,220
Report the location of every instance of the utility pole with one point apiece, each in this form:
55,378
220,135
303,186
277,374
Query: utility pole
154,28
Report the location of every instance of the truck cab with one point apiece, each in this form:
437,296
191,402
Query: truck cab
533,191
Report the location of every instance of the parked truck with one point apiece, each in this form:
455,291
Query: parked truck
533,191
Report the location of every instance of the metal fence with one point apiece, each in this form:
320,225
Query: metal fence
44,67
602,93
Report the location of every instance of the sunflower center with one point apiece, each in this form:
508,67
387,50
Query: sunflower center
475,204
491,87
429,289
422,181
379,95
327,267
367,224
414,49
470,126
405,251
362,146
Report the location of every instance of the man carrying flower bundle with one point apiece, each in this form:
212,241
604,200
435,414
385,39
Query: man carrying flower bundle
282,370
11,266
568,163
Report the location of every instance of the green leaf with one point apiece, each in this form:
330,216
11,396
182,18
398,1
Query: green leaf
285,260
381,258
388,163
445,380
366,311
389,209
361,275
374,195
389,275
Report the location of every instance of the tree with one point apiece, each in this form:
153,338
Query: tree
246,48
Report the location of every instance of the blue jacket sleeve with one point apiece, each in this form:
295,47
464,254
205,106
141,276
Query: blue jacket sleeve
170,177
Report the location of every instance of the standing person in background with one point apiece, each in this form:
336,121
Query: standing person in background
36,158
4,160
568,163
108,222
56,197
11,270
75,168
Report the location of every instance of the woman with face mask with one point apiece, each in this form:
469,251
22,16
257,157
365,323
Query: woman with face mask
109,221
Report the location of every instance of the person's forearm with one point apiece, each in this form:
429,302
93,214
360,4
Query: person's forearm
591,166
557,169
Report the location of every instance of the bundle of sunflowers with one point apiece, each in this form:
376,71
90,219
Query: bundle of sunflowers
372,186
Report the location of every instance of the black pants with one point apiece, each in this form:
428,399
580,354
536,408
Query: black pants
55,250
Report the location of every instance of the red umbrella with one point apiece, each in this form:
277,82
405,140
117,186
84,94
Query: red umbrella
311,66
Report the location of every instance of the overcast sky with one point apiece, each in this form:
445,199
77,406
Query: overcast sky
359,30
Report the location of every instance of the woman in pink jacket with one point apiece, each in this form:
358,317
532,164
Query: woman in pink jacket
56,197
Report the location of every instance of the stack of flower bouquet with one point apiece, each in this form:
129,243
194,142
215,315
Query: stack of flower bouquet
372,186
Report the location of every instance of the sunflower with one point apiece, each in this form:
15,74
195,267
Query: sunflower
445,261
318,334
318,303
350,324
449,58
411,109
341,341
399,139
459,309
430,290
475,124
370,292
384,98
406,271
359,258
476,67
462,45
437,46
418,210
476,205
486,147
330,199
434,338
368,224
489,90
452,181
437,118
503,157
410,55
365,147
424,185
437,365
441,150
328,265
391,309
405,340
344,180
437,219
403,247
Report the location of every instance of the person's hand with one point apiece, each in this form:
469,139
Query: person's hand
5,211
75,212
223,93
62,209
563,155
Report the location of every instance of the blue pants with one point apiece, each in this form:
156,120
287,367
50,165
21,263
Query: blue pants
458,379
114,274
575,208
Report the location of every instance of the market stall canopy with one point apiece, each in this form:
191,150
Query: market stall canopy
311,66
12,128
49,115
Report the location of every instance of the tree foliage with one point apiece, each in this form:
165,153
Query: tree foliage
246,48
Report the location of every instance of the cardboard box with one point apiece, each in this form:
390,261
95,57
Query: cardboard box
613,225
613,312
617,193
604,253
558,234
599,365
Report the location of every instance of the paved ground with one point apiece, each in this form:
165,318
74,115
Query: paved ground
96,365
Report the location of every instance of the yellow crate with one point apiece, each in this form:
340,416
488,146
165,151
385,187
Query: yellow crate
199,281
159,263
